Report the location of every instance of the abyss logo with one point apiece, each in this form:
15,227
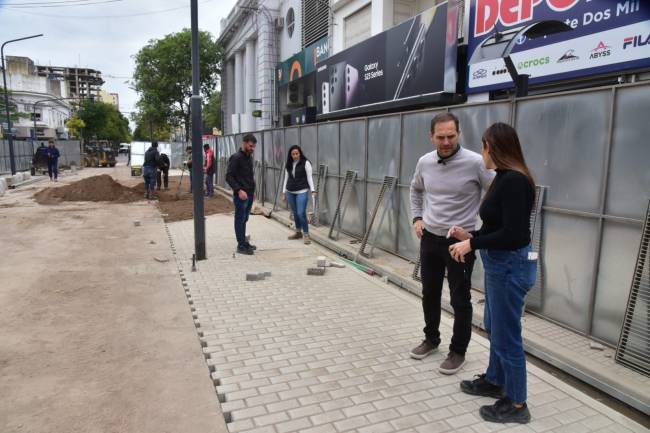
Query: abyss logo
601,50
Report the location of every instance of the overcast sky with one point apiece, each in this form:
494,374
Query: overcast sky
104,35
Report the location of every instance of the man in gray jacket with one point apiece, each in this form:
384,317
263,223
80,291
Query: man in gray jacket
449,180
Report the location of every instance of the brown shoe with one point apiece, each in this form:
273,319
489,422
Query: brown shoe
423,350
452,364
296,235
307,239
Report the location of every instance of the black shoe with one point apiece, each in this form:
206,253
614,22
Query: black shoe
481,387
251,246
503,411
245,250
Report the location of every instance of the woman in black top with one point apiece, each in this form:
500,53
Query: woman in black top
510,270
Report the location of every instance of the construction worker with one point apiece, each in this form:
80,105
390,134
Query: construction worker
151,157
52,160
162,175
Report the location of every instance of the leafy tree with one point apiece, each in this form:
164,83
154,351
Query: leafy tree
104,122
212,113
75,125
163,76
13,110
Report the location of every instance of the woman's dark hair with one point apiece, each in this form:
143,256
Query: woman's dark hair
505,149
289,164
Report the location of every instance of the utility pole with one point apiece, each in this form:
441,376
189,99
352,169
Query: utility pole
197,142
12,159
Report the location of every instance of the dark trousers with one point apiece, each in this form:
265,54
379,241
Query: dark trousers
209,184
162,176
435,258
242,211
53,168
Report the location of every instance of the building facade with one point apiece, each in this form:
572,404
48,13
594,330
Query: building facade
42,97
110,98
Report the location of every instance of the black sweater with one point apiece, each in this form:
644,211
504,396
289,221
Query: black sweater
240,172
505,212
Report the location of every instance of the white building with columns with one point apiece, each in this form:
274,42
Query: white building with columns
249,37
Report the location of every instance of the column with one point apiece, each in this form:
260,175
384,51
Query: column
250,72
381,16
238,82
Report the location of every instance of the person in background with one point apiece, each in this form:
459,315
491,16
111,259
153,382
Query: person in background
149,167
162,175
188,163
241,179
446,191
52,161
298,183
510,270
209,169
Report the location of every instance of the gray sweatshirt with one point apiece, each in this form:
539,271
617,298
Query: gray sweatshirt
446,195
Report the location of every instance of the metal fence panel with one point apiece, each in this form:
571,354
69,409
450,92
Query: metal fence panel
416,142
564,141
308,145
408,245
628,195
618,255
353,157
474,120
328,154
383,147
569,244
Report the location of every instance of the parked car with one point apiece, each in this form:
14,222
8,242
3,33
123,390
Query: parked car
124,148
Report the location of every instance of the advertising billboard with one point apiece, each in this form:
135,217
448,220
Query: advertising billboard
606,36
302,63
412,59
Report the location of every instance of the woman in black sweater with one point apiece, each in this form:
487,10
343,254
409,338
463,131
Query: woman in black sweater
510,270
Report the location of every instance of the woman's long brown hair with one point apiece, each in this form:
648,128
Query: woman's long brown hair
505,149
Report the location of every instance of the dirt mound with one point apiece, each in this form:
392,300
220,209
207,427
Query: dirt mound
96,188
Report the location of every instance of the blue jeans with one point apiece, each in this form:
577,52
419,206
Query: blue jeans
242,211
209,184
508,277
298,204
149,174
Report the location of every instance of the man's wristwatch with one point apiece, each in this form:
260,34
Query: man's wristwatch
417,219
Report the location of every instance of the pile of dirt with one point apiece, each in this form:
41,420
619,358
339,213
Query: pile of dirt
177,204
96,188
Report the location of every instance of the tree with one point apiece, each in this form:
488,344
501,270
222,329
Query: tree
212,113
163,76
75,125
13,109
103,122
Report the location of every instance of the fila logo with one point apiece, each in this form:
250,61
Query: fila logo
636,41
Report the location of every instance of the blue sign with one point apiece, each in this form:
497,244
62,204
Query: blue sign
607,36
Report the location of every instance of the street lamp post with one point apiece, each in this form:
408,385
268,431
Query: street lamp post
197,142
4,83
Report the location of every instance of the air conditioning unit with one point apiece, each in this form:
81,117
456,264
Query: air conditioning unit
294,94
279,22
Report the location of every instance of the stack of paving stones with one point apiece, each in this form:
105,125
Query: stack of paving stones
291,353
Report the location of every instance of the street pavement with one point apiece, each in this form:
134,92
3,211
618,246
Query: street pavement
329,353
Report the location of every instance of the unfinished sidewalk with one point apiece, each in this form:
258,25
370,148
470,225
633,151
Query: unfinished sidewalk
330,353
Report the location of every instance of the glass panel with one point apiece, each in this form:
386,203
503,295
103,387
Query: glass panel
568,256
475,120
415,142
383,147
564,140
618,257
629,174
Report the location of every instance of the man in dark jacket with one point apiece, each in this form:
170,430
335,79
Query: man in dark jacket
162,176
53,161
151,158
240,178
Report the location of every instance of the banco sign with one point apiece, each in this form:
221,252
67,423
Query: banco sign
512,12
